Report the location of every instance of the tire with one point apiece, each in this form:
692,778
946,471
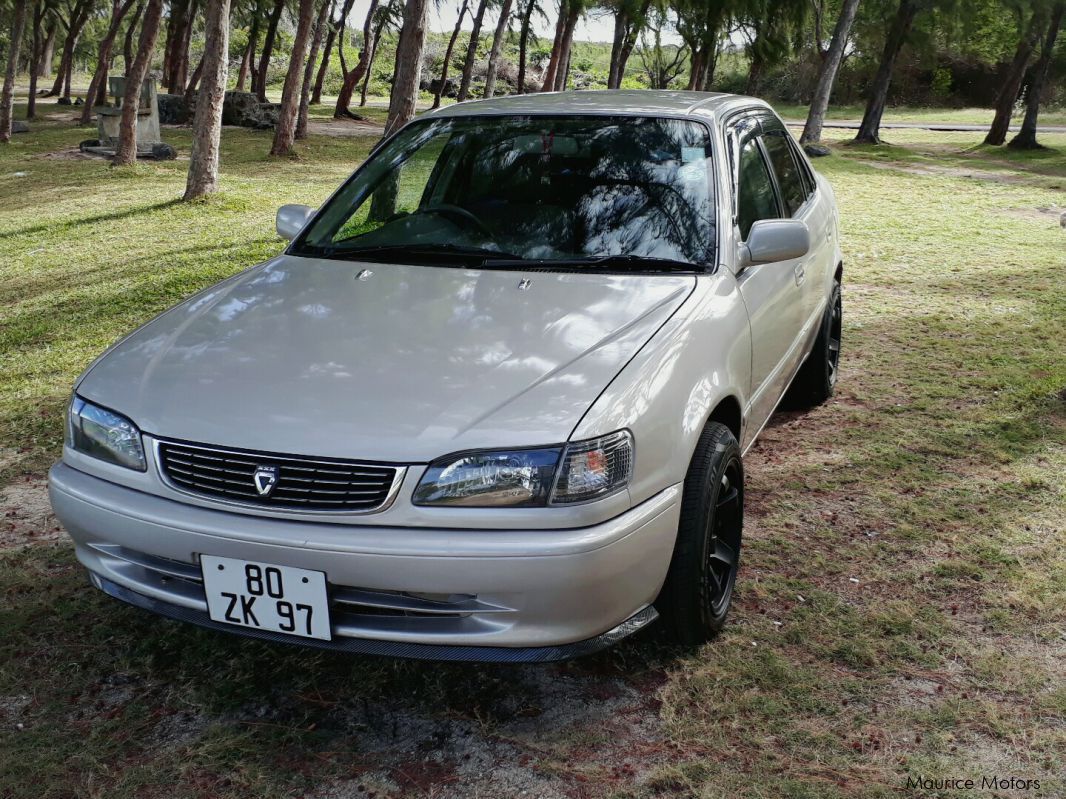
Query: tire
87,143
695,598
817,378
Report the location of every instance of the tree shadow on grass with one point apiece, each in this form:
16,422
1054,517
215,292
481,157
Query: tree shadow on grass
111,216
111,273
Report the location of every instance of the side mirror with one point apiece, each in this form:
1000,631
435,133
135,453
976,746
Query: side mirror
291,220
773,240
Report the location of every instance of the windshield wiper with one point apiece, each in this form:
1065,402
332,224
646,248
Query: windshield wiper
626,263
391,251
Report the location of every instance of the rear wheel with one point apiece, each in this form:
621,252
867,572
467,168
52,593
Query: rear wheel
817,378
698,590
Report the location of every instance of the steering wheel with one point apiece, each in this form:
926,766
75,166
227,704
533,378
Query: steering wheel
455,212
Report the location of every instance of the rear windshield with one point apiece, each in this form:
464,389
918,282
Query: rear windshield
561,188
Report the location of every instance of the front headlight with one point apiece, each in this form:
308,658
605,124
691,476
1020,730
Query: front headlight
490,479
105,435
577,472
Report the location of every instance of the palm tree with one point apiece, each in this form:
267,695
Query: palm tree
448,53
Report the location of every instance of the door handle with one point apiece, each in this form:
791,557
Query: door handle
801,272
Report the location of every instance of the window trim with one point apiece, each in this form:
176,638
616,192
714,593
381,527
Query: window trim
804,181
756,138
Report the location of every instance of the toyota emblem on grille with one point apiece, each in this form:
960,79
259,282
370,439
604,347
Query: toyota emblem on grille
265,477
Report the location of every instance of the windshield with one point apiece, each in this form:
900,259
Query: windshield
568,189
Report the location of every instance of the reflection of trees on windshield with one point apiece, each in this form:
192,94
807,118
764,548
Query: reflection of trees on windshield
540,187
653,195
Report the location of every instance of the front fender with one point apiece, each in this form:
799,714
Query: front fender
664,395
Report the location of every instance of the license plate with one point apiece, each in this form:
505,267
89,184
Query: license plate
263,596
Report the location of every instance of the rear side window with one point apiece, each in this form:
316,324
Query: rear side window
809,184
789,178
755,189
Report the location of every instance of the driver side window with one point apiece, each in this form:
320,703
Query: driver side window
755,189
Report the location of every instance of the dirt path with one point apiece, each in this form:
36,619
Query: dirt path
940,127
344,127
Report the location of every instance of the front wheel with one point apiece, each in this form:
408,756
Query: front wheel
817,378
698,590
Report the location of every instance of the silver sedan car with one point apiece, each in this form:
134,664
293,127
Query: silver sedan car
491,402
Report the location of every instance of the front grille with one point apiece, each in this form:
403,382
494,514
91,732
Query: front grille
295,482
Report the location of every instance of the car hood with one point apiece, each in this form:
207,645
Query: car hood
382,362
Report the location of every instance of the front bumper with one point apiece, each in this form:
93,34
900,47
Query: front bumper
449,594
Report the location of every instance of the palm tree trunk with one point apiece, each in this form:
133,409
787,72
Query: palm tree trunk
249,52
812,130
710,62
1012,84
362,67
408,70
79,15
177,11
1026,138
448,54
565,46
35,55
870,128
268,50
181,59
548,78
620,17
309,70
98,84
370,63
194,82
7,94
634,27
323,67
44,64
497,44
695,69
207,124
523,43
126,153
471,52
127,41
285,132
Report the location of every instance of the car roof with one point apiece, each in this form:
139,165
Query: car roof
635,102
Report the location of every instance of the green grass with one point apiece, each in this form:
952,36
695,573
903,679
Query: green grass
933,479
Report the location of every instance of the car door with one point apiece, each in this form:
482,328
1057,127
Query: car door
772,292
799,200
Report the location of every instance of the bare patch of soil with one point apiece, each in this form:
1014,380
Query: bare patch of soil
344,127
11,710
926,170
69,154
25,514
1053,214
557,726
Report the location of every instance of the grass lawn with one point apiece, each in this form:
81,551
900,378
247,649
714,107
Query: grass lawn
900,610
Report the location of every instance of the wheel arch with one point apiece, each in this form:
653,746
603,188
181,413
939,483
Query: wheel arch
728,413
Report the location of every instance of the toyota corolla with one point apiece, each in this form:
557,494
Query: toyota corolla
490,403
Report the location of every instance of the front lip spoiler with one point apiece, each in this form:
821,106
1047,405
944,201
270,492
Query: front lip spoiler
396,649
